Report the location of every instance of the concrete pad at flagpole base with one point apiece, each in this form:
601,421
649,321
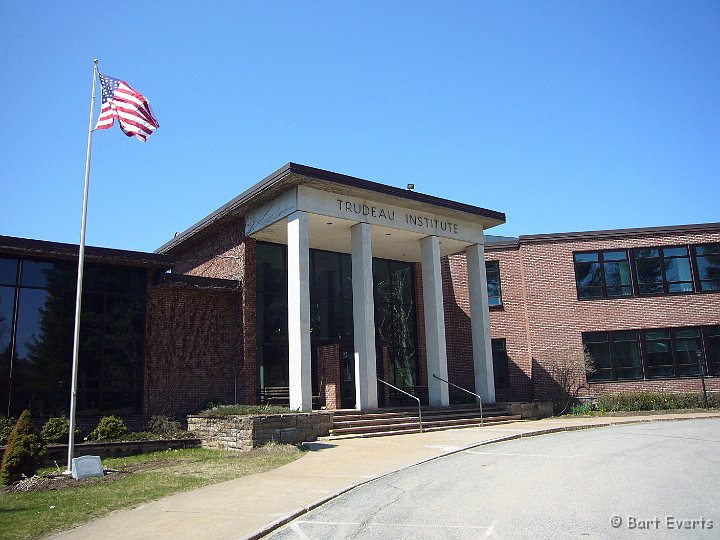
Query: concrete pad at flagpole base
252,506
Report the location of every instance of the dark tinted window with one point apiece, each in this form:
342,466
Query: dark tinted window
492,270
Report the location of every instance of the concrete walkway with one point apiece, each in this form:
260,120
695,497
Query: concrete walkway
251,506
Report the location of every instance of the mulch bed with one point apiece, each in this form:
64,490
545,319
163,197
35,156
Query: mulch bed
57,481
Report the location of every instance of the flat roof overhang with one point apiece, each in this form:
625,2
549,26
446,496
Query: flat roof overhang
293,175
41,249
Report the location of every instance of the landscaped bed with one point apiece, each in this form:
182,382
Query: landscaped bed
57,503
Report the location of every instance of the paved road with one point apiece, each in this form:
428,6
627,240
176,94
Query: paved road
659,480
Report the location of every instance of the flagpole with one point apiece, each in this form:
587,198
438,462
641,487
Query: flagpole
78,296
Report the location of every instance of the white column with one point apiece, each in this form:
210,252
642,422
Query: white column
434,321
480,323
299,312
363,318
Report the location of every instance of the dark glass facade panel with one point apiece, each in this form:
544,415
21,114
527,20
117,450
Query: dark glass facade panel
8,271
708,266
395,326
37,371
500,364
272,325
492,271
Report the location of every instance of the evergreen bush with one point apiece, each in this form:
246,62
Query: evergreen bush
57,429
6,425
110,428
24,453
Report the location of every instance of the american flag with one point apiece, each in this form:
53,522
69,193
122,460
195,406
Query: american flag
129,106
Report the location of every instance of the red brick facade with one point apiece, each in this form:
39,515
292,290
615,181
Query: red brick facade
192,348
208,336
542,318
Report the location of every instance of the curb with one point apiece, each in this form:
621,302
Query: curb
287,518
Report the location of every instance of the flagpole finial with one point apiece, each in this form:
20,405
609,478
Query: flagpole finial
95,61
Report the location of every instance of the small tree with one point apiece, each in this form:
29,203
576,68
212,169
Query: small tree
24,453
568,370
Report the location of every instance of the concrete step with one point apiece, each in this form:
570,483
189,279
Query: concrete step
350,416
374,420
402,425
415,429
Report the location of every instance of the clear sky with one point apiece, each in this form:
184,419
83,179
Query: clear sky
566,116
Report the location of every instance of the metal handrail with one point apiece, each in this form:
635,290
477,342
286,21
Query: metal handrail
482,424
407,394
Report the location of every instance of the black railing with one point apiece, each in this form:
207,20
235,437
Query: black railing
479,399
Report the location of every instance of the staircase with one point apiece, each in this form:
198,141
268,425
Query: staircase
351,424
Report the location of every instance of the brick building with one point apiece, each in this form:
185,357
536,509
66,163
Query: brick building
313,287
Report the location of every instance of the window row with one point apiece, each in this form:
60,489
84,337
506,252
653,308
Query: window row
647,271
654,353
37,314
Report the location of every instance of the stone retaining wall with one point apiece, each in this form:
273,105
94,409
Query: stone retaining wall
247,432
58,452
531,410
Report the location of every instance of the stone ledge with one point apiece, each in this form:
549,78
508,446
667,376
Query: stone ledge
251,431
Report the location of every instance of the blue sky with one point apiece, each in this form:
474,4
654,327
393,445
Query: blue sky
564,115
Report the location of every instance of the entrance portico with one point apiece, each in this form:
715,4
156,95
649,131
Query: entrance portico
374,221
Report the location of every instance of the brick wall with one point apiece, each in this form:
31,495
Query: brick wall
328,375
554,318
193,348
228,254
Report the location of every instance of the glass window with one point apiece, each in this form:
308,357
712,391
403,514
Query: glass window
603,274
712,349
648,269
663,270
687,347
588,275
492,270
626,354
597,345
500,363
708,266
659,354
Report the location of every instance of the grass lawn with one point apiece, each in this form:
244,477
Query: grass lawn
145,477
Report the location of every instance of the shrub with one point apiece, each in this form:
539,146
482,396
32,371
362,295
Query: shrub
24,453
163,425
239,410
654,401
57,429
581,408
6,426
110,428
